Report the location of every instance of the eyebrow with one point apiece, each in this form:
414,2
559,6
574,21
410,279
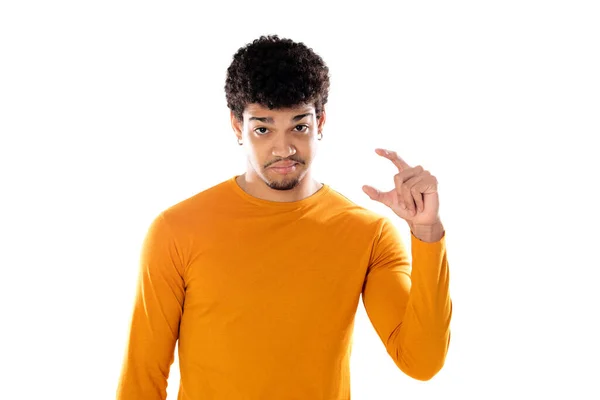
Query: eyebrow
269,120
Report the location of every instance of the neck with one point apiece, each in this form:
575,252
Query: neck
256,186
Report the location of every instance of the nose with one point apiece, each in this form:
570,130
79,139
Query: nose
282,147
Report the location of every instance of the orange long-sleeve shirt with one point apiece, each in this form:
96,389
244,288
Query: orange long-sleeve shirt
262,297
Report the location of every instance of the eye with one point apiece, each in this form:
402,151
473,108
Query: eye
262,127
305,128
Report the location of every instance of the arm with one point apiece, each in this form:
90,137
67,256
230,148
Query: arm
157,311
410,308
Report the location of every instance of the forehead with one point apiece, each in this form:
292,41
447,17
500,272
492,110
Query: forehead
258,110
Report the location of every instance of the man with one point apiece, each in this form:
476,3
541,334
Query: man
259,277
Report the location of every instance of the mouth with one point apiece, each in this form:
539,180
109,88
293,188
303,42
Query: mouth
284,170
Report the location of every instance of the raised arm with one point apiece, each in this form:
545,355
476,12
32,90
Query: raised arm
157,310
410,308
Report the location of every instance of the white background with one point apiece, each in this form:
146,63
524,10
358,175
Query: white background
112,111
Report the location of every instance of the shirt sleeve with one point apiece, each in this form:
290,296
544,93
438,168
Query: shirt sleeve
410,307
157,310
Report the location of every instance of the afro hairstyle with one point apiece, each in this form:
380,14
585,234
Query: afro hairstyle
276,73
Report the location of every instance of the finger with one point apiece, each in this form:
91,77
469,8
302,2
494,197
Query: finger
417,195
373,193
412,197
399,181
408,200
415,186
377,195
393,157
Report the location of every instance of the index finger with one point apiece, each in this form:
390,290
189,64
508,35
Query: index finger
393,157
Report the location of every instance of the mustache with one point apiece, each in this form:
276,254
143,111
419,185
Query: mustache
284,160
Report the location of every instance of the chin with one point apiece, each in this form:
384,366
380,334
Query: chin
282,182
283,185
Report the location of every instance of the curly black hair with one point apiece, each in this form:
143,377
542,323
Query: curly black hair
276,73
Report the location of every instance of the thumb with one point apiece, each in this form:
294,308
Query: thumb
373,193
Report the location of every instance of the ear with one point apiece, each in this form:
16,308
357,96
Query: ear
235,125
321,122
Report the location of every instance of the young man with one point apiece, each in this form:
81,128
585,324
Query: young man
260,276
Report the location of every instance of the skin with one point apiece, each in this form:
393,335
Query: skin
281,140
414,197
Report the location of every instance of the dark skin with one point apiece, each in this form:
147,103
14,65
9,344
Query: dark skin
413,198
289,135
281,135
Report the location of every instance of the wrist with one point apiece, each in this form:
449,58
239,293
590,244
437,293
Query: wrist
428,233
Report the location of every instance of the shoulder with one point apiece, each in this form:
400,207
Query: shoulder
197,207
351,212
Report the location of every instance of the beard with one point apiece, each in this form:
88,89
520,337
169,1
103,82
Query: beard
283,183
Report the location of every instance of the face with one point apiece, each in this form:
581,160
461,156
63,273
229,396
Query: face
278,138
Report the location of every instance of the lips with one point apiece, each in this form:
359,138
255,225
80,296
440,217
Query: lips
283,165
284,170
